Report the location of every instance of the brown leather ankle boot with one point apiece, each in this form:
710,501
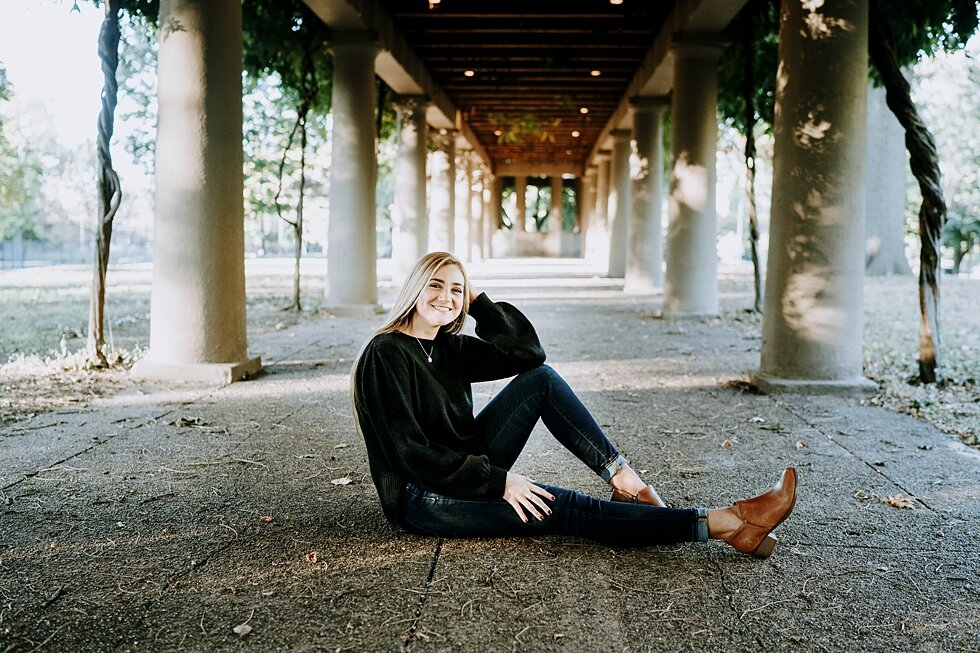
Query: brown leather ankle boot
761,514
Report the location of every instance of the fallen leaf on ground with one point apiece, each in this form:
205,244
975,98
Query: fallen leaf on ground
729,443
757,420
800,444
312,556
342,481
342,445
265,519
242,630
190,421
899,501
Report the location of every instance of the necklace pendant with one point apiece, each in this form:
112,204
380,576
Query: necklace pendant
427,354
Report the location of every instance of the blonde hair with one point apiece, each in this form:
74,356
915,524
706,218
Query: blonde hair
403,311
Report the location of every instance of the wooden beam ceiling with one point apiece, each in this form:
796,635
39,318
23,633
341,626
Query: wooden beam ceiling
521,71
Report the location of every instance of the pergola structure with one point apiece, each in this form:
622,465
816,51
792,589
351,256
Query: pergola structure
510,88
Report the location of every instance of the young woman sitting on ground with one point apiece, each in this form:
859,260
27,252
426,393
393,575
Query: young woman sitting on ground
441,470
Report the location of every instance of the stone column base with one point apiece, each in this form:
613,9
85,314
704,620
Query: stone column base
208,373
858,387
641,287
687,315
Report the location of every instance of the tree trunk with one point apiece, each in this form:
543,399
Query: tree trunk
308,97
298,223
925,168
958,255
110,192
748,91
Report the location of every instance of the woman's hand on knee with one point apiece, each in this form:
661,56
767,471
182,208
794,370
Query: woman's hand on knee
523,495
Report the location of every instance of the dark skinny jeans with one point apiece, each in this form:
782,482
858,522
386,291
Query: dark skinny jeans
507,421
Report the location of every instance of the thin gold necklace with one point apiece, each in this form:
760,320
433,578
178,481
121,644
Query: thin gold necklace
428,354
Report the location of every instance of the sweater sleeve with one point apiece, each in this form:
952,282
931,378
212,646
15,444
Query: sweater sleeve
507,342
384,384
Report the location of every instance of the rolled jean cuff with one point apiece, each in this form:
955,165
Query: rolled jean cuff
613,466
701,525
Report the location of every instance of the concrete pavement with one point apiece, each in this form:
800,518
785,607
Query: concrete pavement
165,518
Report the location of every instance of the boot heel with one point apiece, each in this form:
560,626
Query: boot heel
766,547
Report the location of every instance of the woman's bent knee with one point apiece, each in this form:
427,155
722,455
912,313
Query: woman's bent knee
543,372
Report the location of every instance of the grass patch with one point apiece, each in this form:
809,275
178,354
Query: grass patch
891,347
891,344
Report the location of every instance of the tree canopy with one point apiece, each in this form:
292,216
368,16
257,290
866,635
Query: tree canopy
4,88
284,37
280,37
920,28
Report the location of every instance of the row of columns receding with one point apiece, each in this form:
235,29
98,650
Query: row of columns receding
812,320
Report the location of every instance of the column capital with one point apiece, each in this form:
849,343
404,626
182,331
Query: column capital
442,139
602,156
464,159
652,104
354,39
698,46
408,105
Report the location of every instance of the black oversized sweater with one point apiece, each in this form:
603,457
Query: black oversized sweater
417,417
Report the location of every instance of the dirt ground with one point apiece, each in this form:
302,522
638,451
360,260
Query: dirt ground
186,518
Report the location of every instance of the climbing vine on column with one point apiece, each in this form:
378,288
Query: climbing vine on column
109,188
925,167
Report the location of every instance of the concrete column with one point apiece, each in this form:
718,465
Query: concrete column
644,263
477,212
464,210
410,228
442,192
811,327
571,239
197,309
598,252
520,195
493,189
553,239
352,277
691,284
885,203
619,203
587,209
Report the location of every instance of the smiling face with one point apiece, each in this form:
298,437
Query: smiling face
440,302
